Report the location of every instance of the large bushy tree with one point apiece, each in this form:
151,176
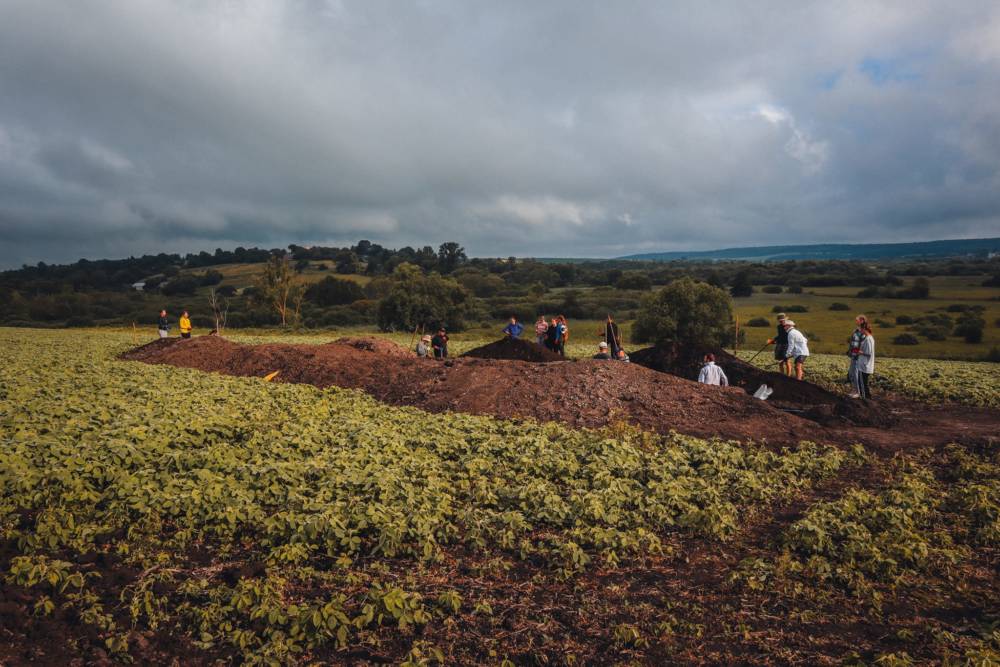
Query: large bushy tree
685,315
416,300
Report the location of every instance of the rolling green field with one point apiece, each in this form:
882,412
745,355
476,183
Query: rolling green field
830,329
152,512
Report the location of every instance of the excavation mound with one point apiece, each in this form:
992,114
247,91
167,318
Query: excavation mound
515,349
801,397
587,393
373,344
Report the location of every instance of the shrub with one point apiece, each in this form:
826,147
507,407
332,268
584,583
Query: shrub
906,339
416,299
933,333
795,289
957,308
185,285
759,322
970,327
904,319
771,289
836,305
79,321
634,280
790,309
884,324
333,291
210,277
742,284
993,355
685,313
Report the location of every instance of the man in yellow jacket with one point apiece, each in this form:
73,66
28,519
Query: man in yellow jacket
185,325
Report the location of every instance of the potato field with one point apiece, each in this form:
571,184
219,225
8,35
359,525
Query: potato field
153,514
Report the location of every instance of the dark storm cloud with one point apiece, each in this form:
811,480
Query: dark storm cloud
560,128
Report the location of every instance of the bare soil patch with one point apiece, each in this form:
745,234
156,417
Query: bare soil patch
591,393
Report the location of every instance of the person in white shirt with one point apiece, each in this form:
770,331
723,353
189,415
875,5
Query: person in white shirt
798,348
712,374
865,365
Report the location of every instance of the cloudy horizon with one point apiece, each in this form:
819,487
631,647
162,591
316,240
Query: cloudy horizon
574,129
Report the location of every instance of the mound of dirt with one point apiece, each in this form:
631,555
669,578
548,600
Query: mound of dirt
515,349
373,344
586,393
801,397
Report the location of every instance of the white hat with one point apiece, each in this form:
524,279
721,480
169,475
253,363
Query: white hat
788,323
602,344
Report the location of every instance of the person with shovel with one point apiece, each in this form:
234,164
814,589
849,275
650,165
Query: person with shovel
440,344
797,350
612,336
780,342
712,374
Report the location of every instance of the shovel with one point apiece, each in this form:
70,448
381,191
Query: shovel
758,352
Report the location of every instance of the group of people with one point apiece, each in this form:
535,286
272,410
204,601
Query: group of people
434,346
553,335
791,349
163,325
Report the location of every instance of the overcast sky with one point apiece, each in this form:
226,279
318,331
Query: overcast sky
530,128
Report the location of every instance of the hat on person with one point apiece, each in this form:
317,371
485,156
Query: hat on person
426,339
789,323
602,344
782,316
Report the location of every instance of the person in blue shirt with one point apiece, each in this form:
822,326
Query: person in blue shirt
514,328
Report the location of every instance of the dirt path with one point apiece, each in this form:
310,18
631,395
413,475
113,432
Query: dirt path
584,393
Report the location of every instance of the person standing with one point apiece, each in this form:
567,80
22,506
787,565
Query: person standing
552,335
712,374
780,342
854,349
562,335
163,325
865,364
513,328
185,325
440,344
798,349
612,336
541,329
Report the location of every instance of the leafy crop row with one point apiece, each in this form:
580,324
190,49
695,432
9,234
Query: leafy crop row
262,517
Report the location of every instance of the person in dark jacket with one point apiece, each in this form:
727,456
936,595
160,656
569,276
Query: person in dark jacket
552,335
780,342
612,336
513,328
163,325
440,344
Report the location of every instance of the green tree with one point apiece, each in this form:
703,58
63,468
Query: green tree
686,315
334,292
450,256
418,300
742,284
281,289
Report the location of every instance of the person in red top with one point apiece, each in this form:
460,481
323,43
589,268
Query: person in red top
541,328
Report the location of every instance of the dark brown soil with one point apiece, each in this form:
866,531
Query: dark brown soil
373,344
587,393
515,349
800,397
579,393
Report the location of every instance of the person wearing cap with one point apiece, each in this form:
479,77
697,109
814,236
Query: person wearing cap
440,344
612,335
424,346
513,328
798,349
780,342
602,352
712,374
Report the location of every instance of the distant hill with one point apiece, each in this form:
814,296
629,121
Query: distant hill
947,248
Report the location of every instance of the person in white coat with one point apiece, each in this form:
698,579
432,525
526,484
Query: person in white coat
798,348
865,365
712,374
